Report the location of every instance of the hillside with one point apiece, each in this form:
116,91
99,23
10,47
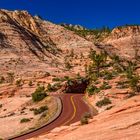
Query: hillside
124,41
32,44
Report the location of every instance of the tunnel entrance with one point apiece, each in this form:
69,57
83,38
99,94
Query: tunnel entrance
76,86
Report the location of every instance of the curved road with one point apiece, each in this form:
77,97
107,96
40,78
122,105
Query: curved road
73,109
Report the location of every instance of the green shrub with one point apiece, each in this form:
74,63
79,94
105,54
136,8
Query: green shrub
130,70
39,94
24,120
98,60
134,81
103,102
105,86
108,108
55,87
84,120
70,82
40,110
91,90
56,79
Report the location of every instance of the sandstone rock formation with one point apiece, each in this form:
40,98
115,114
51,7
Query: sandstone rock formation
125,41
29,44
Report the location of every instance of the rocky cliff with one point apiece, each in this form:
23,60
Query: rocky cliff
125,41
29,44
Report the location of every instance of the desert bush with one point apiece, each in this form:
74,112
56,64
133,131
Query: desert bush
40,110
32,109
115,59
56,79
19,83
134,83
93,77
70,82
98,60
39,94
129,70
91,90
103,102
66,78
47,74
108,75
68,65
57,86
84,120
49,88
105,86
24,120
30,83
52,88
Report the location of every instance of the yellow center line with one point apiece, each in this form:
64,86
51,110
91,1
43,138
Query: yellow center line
74,111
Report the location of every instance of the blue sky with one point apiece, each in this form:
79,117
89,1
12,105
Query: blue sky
89,13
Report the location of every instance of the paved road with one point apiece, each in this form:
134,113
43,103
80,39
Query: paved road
73,109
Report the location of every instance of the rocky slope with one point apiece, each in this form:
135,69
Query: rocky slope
76,27
125,41
95,35
33,45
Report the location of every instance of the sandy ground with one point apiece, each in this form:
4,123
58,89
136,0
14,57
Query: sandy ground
18,107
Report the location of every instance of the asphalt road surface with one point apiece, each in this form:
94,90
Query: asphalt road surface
73,108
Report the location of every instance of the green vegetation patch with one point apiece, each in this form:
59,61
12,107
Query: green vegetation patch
103,102
85,118
39,94
105,86
40,110
24,120
91,90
